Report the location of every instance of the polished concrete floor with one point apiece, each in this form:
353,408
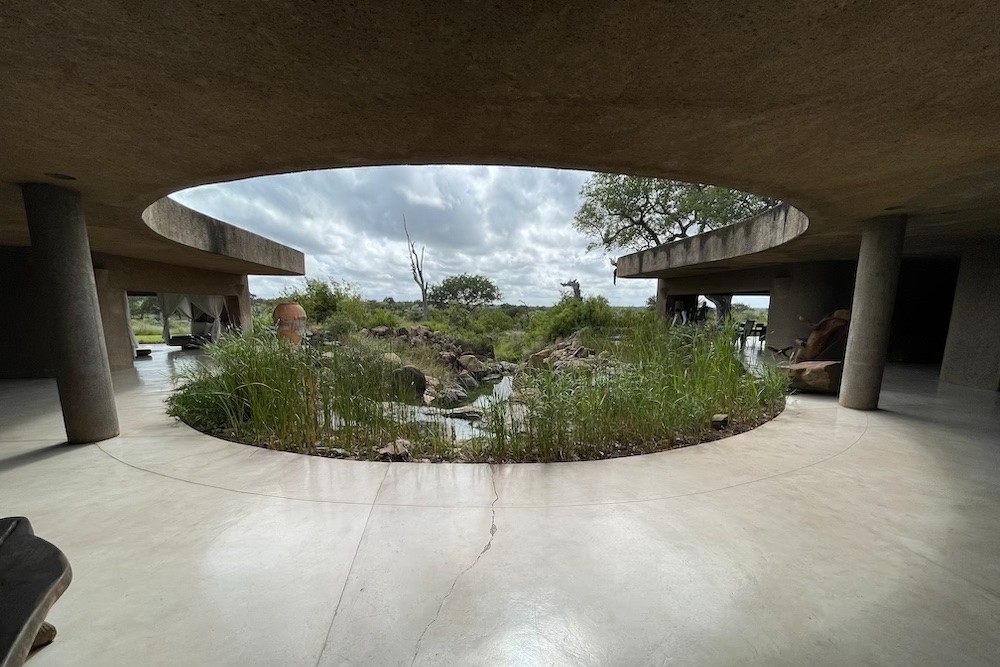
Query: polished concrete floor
826,537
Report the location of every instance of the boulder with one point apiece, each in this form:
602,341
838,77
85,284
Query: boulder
403,332
410,380
397,450
452,396
720,421
380,331
393,358
819,376
467,380
447,358
421,330
472,364
538,359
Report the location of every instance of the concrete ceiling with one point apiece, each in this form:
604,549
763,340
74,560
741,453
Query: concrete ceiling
848,110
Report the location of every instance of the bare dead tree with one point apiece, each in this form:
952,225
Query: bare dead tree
575,285
417,269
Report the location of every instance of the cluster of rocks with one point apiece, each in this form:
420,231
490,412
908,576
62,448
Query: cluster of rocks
470,370
567,355
421,335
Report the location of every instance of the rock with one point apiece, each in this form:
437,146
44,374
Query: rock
572,364
433,382
328,355
403,331
538,359
472,364
720,421
421,330
467,380
452,396
820,376
397,450
582,353
492,377
393,358
364,333
507,368
380,331
411,380
449,359
467,412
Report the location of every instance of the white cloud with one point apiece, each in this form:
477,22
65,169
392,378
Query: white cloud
512,224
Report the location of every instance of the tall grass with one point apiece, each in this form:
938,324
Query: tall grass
260,390
659,389
661,392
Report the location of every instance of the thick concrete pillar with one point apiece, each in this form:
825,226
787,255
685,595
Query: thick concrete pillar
239,307
65,274
662,294
871,315
972,353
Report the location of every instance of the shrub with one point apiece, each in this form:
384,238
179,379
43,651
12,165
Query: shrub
383,318
339,325
571,315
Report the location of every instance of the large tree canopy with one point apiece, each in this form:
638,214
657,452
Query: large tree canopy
636,212
466,290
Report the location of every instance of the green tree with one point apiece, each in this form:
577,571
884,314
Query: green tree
636,212
466,290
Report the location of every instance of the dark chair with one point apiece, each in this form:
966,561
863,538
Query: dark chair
33,574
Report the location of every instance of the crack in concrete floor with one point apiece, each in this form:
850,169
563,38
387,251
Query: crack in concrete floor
451,589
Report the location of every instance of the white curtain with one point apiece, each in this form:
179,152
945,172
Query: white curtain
170,304
213,306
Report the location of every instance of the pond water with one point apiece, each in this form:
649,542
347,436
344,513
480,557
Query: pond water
463,429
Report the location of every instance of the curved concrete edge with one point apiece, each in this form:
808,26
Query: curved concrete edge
764,231
180,224
809,431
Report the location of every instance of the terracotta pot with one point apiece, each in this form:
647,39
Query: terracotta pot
290,319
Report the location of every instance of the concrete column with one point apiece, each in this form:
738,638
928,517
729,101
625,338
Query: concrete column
871,315
239,307
662,295
972,353
65,274
116,320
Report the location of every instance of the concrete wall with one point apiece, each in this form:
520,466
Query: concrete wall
972,353
811,290
24,319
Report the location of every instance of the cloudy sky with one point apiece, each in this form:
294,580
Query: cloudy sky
512,224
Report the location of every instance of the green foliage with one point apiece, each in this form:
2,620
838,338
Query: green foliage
492,322
466,290
383,318
321,299
569,316
340,325
662,391
511,346
258,389
636,212
659,391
